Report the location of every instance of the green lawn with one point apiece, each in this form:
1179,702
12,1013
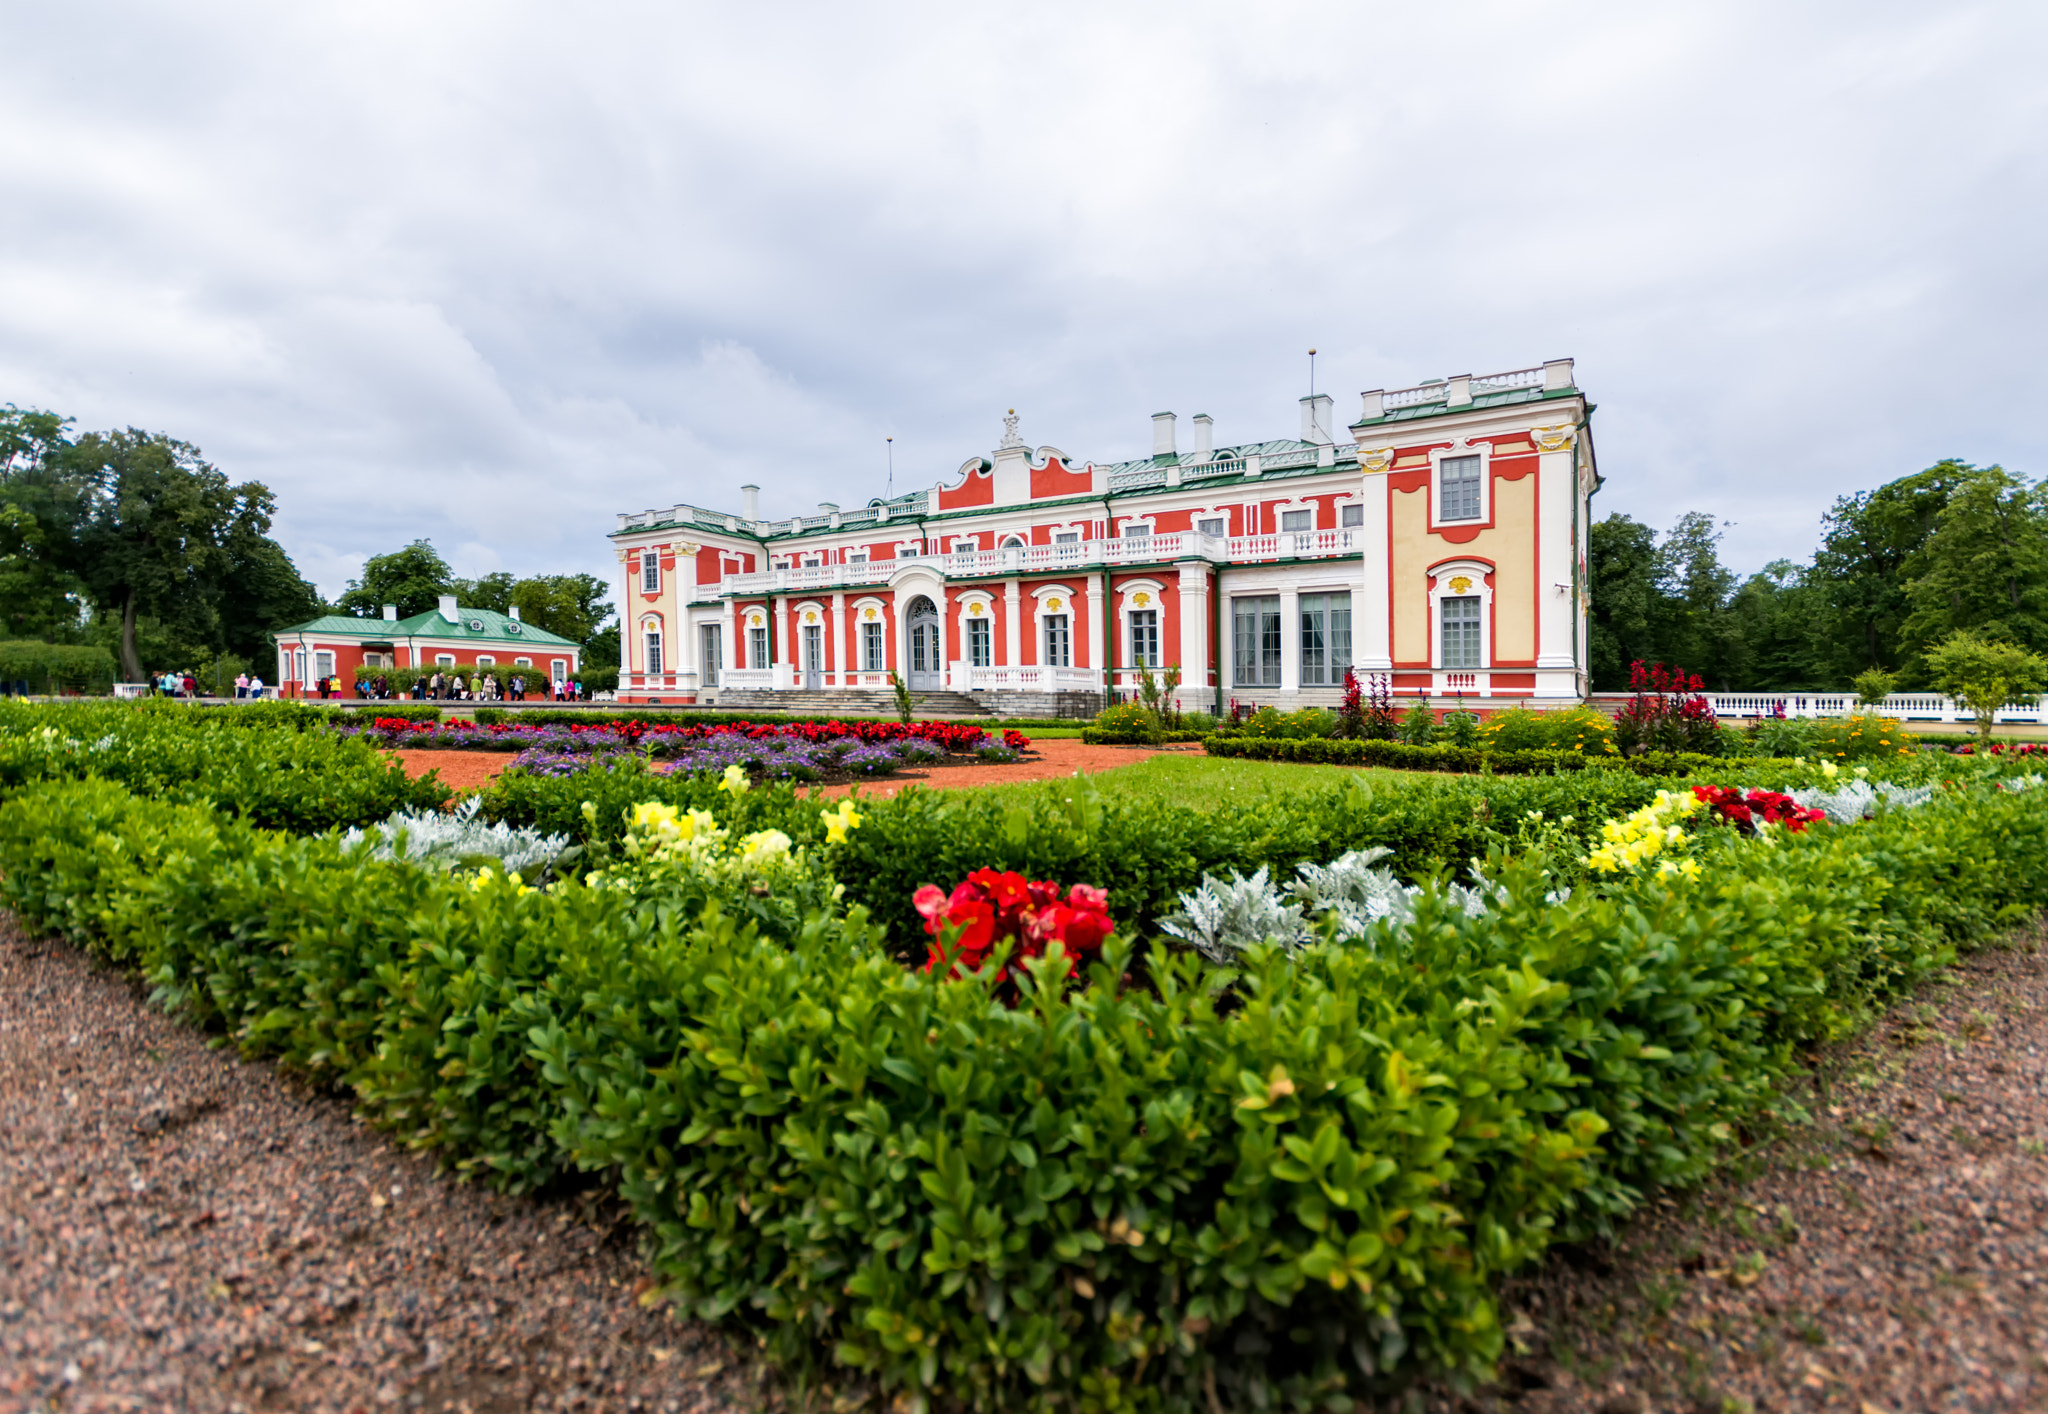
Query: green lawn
1203,782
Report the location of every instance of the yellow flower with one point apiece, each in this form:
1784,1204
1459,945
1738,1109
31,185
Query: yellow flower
653,815
763,846
735,779
838,822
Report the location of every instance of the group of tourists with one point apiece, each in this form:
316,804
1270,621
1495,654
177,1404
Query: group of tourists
247,685
176,685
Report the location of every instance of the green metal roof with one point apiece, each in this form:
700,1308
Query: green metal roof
480,625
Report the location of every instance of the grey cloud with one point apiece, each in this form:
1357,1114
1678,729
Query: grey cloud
491,273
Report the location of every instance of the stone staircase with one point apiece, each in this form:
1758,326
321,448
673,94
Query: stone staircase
843,704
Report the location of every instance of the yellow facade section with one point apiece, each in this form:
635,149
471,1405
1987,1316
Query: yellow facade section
1511,545
1413,550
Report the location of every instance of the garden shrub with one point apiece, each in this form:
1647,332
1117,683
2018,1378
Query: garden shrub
1585,730
1104,1197
1125,724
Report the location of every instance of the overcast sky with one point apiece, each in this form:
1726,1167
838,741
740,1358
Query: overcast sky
490,273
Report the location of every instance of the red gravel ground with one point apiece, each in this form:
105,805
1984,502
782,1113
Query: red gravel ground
460,770
182,1231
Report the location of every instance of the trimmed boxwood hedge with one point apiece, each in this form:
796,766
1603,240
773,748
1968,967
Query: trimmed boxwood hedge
1288,1186
1336,751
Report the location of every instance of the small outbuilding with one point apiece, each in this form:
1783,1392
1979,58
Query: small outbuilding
448,636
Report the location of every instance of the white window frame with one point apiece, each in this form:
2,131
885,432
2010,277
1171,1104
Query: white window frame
1222,521
1440,589
522,662
1155,659
1136,527
1332,669
558,670
323,663
486,660
650,571
757,643
1307,511
1437,458
874,646
1058,654
986,623
653,650
444,660
1350,515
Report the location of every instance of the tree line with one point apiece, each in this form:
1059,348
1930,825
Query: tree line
1898,571
132,541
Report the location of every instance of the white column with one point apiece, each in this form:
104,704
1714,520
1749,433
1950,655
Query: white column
1372,646
629,624
1013,627
840,644
1556,491
1194,637
786,647
1290,640
1098,648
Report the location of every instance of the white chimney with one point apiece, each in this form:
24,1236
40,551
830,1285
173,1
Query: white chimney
448,609
515,613
1205,436
1460,391
1375,404
750,503
1316,419
391,613
1557,373
1162,434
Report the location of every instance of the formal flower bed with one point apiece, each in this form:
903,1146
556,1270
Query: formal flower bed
663,739
940,1132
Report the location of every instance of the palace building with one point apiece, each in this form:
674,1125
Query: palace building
1441,545
448,636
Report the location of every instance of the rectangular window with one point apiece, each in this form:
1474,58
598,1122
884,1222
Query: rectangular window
1460,489
1351,517
1059,642
1325,639
1144,638
1461,633
1255,641
1136,530
711,641
1212,526
1067,537
1293,522
653,637
858,557
978,641
650,573
443,660
323,663
522,662
757,647
871,648
559,670
485,660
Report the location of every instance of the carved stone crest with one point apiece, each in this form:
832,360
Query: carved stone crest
1553,439
1375,459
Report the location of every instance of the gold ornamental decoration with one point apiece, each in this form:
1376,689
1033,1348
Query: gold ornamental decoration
1552,439
1052,606
1374,460
1460,583
1141,598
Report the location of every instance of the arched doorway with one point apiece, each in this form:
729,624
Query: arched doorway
921,626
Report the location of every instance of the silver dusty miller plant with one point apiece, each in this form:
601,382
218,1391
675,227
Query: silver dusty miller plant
1222,919
1853,800
457,840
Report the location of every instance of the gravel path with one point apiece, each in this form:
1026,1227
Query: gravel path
1889,1258
182,1231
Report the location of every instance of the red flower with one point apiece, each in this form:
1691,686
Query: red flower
991,906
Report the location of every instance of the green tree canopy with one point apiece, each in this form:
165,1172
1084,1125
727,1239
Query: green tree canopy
414,579
1984,566
572,605
1984,674
1861,568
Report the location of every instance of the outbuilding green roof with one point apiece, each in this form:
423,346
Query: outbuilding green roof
480,625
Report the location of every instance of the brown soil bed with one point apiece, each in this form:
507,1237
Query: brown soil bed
183,1231
1891,1256
470,770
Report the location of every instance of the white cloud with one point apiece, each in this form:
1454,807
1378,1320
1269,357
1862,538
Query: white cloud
490,273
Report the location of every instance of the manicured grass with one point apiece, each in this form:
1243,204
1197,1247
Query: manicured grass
1203,782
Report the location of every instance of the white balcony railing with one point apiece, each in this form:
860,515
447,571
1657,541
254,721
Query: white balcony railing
1039,559
1034,679
1909,706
